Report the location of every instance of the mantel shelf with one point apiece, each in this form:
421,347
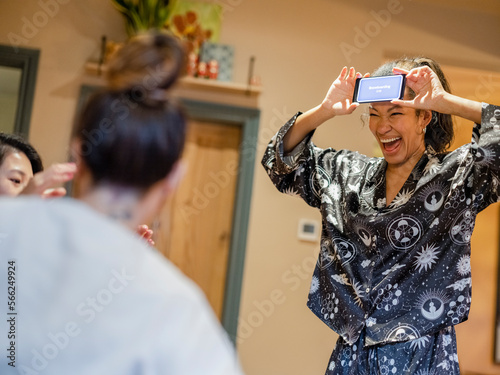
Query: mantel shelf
93,68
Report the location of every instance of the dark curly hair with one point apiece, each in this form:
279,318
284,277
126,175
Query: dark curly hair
440,132
15,143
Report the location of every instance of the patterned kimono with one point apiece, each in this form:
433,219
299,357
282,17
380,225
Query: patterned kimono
392,280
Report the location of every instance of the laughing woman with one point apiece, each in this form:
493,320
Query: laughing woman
393,270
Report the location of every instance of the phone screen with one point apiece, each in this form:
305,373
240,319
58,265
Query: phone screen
379,89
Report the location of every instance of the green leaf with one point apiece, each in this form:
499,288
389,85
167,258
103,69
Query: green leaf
142,15
120,6
153,16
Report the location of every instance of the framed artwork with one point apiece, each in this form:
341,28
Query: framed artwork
195,22
223,54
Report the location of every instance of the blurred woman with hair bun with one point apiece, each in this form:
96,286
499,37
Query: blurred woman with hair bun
94,297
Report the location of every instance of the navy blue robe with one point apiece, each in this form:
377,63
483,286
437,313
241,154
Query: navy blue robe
390,274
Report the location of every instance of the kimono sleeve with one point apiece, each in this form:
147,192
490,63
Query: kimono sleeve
486,150
304,172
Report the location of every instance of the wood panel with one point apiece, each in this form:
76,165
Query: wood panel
196,234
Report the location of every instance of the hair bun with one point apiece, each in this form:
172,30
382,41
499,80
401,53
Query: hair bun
149,63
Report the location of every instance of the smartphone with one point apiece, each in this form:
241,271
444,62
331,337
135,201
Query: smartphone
379,89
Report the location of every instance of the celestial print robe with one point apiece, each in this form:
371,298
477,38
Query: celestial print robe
399,272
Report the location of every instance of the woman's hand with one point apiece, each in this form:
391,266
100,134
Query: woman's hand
146,233
338,100
429,93
46,183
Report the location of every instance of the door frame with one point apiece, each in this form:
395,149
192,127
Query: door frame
248,120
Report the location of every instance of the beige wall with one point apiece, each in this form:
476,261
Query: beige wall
68,35
297,46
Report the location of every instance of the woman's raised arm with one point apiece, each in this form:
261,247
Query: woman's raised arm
338,101
431,95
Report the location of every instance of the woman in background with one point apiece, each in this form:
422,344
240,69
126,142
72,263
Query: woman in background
393,274
92,297
21,170
22,173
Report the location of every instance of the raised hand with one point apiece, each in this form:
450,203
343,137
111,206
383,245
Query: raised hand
46,183
429,92
338,100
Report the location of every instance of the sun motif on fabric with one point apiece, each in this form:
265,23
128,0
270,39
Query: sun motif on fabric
291,192
427,257
402,197
463,266
334,190
485,156
419,343
314,285
433,166
359,293
348,331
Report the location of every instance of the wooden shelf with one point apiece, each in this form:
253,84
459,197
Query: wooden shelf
229,87
222,87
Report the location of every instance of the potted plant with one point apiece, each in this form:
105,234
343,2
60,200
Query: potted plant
143,15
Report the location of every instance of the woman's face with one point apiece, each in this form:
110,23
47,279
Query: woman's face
399,132
15,173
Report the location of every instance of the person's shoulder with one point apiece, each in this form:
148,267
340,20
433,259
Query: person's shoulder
186,316
62,214
24,209
35,207
20,201
64,228
159,275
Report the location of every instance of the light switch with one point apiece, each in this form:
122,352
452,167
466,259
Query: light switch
308,230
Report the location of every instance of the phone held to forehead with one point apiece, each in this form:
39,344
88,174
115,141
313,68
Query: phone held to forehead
379,89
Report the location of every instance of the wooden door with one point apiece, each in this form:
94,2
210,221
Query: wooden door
195,226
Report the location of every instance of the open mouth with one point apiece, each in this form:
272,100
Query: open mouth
390,144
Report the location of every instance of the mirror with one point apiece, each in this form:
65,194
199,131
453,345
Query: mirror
18,70
10,82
